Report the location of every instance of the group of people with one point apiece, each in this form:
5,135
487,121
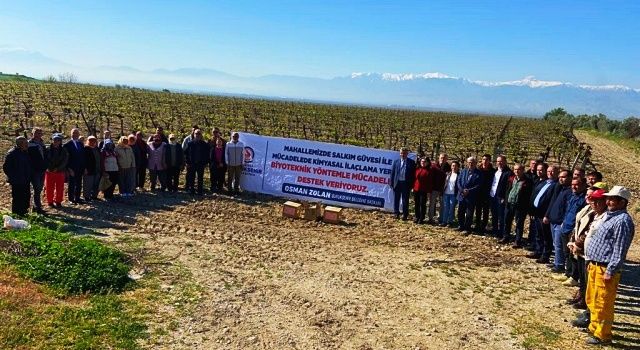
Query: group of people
574,217
90,167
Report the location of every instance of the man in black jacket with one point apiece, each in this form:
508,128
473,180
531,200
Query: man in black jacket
197,158
17,167
75,166
498,194
174,157
37,156
540,201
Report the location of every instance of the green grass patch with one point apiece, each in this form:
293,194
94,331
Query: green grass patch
101,322
73,305
66,263
536,335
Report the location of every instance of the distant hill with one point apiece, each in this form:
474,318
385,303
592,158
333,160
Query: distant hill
16,77
432,91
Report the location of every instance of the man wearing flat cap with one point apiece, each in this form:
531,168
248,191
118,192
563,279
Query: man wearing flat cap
607,249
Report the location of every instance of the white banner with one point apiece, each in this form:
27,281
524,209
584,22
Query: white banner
341,175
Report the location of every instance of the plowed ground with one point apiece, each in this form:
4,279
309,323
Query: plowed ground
259,281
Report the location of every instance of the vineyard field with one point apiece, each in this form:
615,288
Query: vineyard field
59,107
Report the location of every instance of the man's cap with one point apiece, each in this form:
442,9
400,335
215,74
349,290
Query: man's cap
57,136
600,186
597,194
619,191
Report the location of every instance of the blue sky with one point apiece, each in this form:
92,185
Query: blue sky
585,42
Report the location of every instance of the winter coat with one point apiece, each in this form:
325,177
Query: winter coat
174,155
17,167
141,154
93,161
422,182
156,160
58,158
38,156
234,153
126,158
437,179
197,153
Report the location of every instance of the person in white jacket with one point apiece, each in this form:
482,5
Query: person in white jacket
234,153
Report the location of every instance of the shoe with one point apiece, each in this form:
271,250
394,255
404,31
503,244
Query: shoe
442,224
80,201
396,216
557,270
504,240
405,218
50,205
551,265
580,322
542,260
517,246
533,256
416,220
559,277
431,222
570,282
58,205
573,300
597,341
581,305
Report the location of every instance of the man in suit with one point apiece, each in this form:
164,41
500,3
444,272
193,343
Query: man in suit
469,183
75,166
498,194
540,201
403,174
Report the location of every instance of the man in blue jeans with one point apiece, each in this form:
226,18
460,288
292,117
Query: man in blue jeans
555,216
403,173
576,200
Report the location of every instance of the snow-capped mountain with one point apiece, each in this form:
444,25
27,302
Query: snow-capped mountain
439,91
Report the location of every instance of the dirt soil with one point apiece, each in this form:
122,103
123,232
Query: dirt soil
260,281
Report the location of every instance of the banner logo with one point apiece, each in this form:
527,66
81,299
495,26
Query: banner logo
248,154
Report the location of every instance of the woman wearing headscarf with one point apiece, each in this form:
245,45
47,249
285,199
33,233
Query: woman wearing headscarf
157,164
126,166
92,171
110,167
